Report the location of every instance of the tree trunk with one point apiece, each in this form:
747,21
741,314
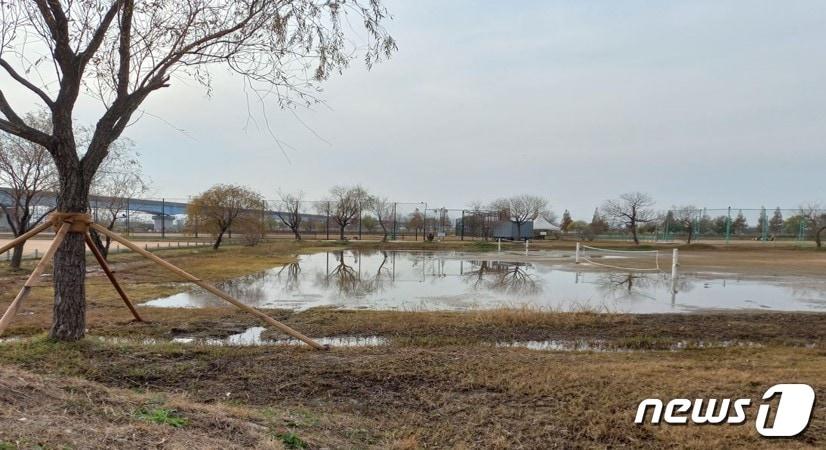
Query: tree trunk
818,241
103,248
297,234
17,256
218,240
69,320
634,233
518,231
341,232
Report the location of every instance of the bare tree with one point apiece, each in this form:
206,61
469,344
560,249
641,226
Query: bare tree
288,210
27,171
123,51
521,209
383,209
685,216
630,209
223,206
346,204
119,179
815,218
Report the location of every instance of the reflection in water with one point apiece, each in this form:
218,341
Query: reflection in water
288,274
453,281
509,278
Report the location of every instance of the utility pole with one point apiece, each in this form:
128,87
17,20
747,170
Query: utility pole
394,220
463,225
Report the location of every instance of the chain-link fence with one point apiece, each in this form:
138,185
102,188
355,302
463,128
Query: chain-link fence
728,225
167,218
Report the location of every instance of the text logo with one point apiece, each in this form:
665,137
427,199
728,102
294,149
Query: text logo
791,414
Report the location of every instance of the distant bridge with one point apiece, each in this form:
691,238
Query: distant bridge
157,208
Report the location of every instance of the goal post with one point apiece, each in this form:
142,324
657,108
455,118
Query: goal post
632,260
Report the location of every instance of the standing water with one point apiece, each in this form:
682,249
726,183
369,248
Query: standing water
411,280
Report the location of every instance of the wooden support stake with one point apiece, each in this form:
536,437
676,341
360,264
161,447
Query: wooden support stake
25,237
109,274
35,275
280,326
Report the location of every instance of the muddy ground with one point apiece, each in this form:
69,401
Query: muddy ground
439,382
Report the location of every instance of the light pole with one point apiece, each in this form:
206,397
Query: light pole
424,221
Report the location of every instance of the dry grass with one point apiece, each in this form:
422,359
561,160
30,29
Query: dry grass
471,396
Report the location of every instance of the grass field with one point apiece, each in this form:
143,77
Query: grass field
441,380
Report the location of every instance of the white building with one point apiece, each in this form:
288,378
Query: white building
542,229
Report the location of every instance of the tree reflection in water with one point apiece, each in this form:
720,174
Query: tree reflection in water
250,288
511,278
635,285
289,276
347,280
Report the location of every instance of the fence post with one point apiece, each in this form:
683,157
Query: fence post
728,225
163,218
127,216
463,224
765,218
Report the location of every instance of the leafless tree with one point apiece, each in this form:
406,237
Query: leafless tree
346,204
521,209
223,206
27,171
119,179
383,209
631,210
288,209
815,218
123,51
685,216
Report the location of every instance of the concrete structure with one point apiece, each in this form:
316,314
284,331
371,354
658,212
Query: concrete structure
168,224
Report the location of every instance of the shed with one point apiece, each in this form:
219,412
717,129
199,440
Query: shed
507,229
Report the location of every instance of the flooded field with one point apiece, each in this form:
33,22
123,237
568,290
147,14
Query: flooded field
410,280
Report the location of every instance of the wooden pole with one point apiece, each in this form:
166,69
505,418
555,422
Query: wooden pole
109,274
280,326
34,276
25,237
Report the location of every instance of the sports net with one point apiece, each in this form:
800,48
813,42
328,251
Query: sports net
633,260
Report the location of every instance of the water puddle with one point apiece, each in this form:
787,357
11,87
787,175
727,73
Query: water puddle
252,336
452,281
607,346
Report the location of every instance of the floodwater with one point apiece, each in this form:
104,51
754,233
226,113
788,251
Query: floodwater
437,281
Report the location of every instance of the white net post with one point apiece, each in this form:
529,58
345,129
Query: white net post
526,247
674,264
499,245
576,255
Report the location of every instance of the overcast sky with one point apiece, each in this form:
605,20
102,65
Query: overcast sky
712,103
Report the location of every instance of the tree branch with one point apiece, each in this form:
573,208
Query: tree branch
16,126
26,83
123,49
100,33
